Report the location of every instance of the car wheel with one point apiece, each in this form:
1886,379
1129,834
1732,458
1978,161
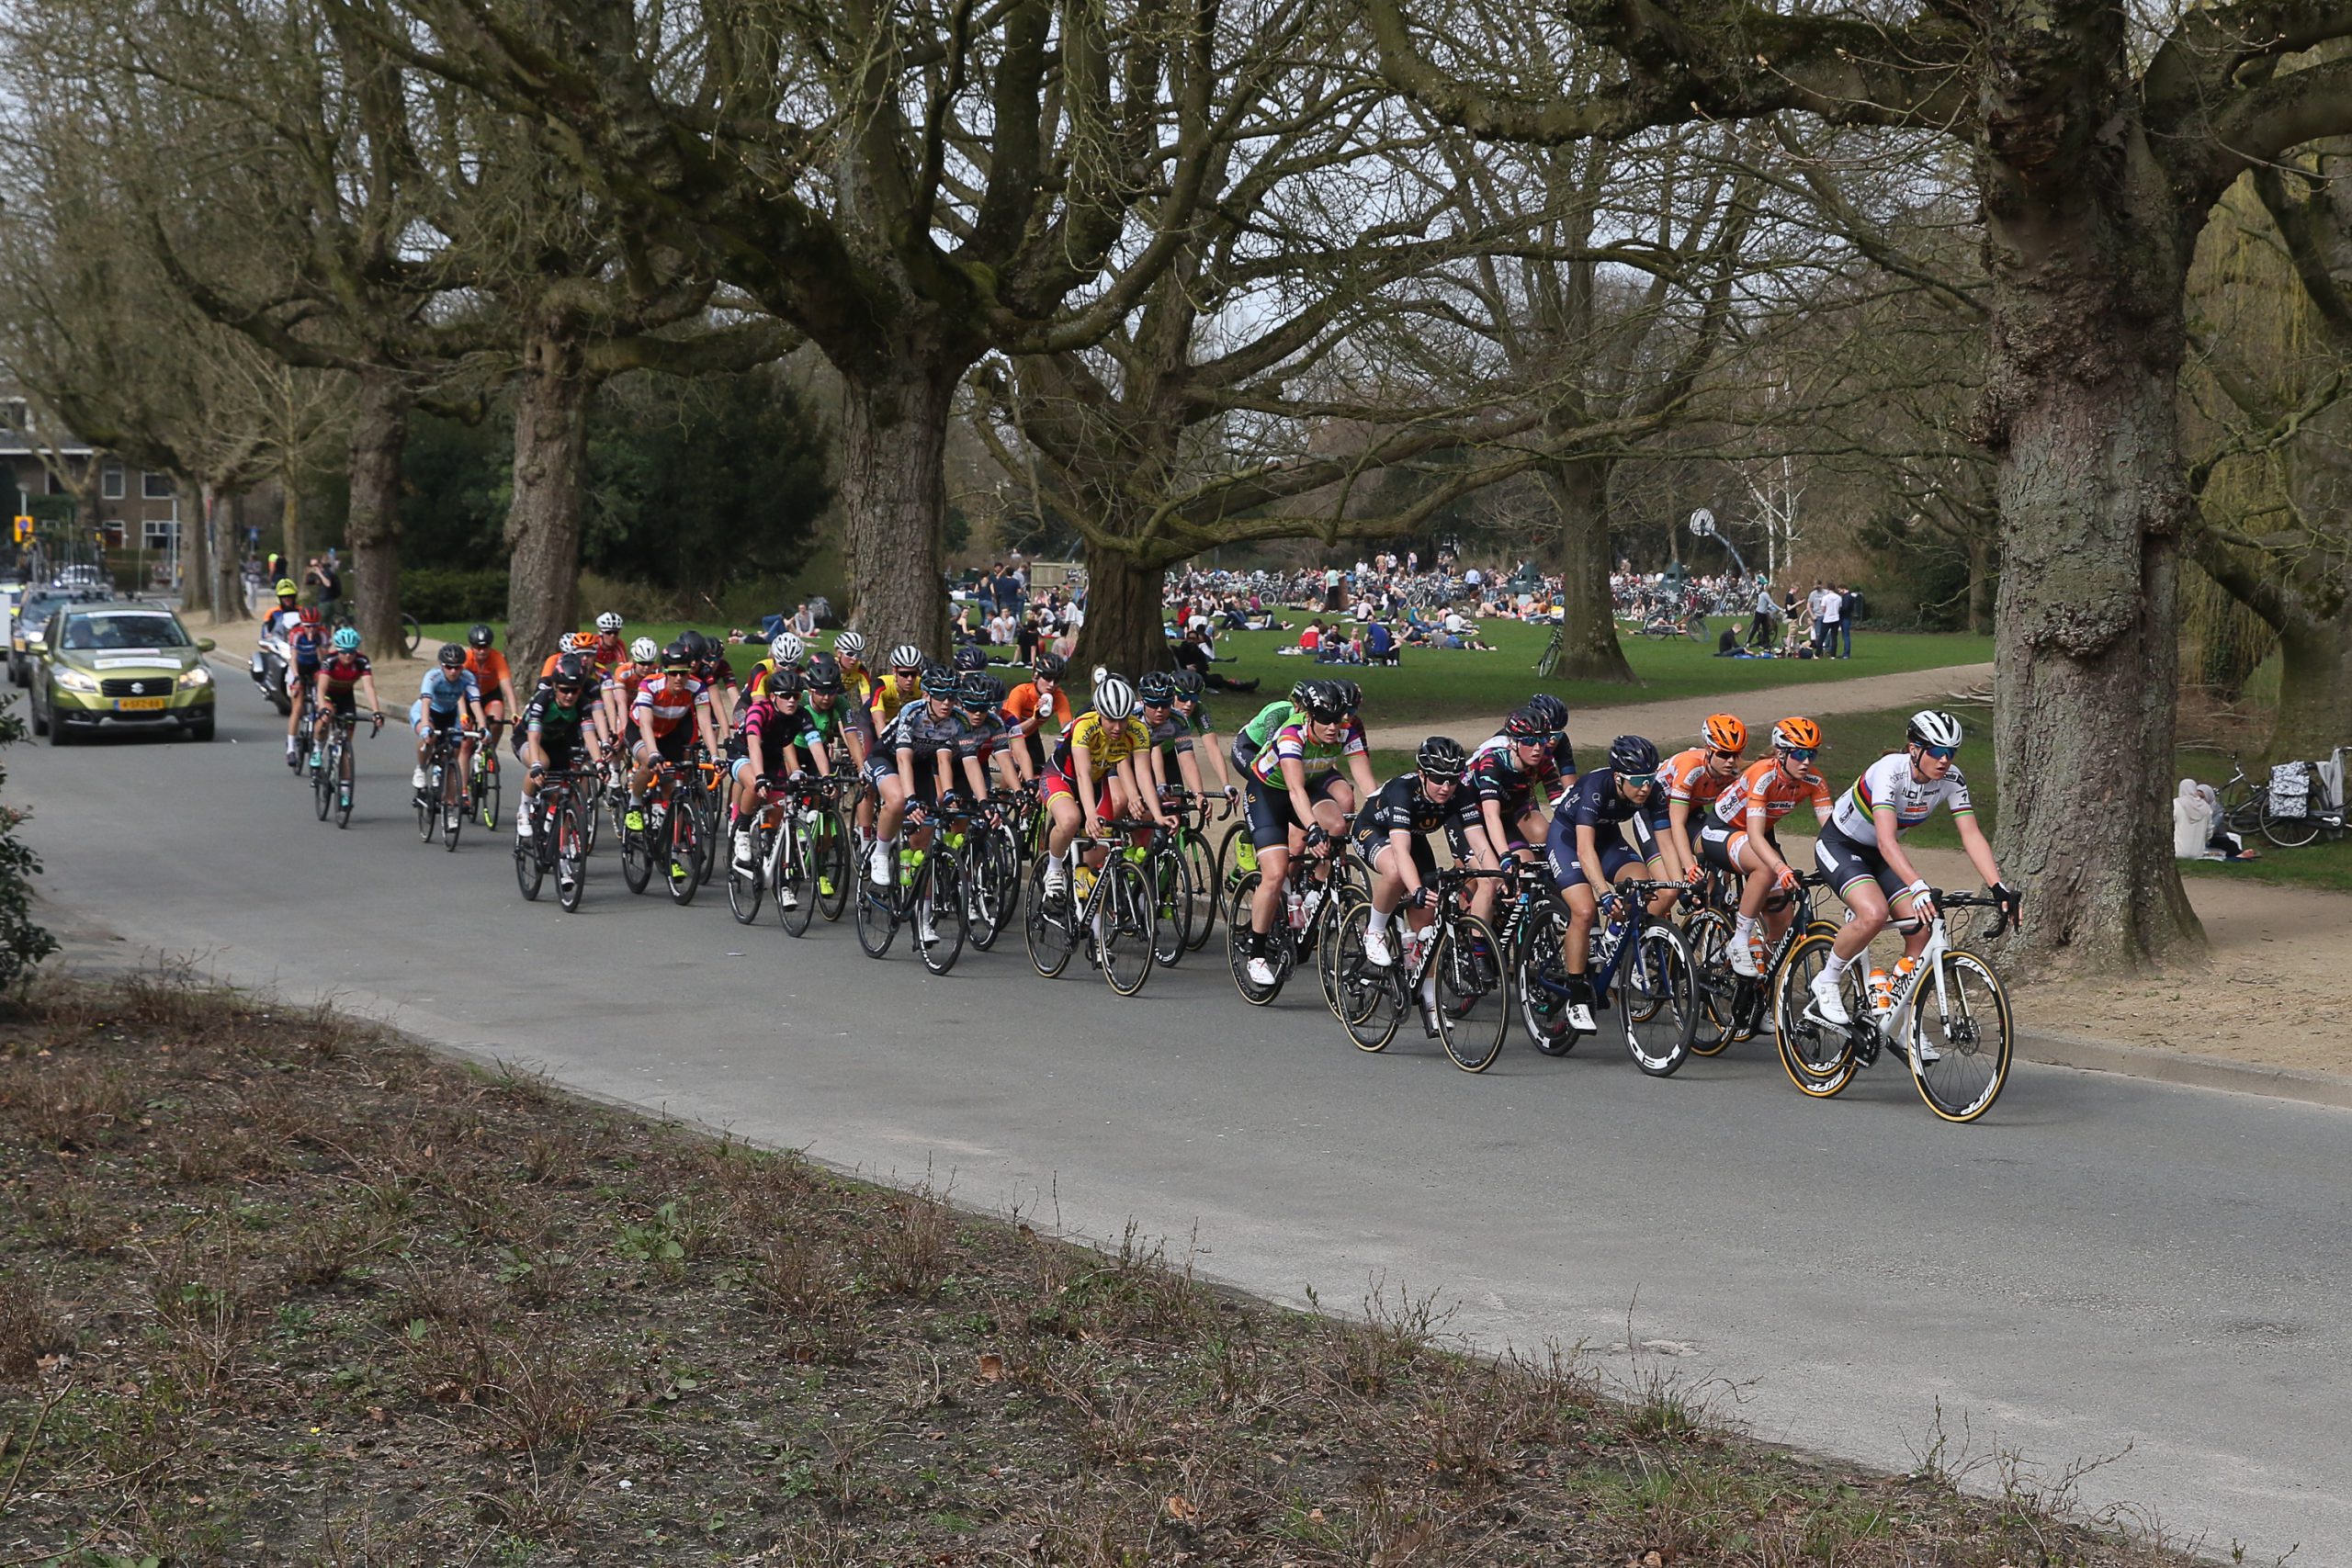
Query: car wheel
200,730
59,732
40,719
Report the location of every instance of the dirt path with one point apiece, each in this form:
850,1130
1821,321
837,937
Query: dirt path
1674,723
396,678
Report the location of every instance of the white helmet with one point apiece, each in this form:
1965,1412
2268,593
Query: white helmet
786,648
1114,699
610,622
1932,727
645,650
907,656
849,644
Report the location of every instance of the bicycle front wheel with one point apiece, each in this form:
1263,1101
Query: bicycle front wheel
1818,1058
1369,1000
1967,1029
453,804
1537,979
486,787
828,863
1170,877
682,865
530,871
1051,928
344,770
1659,1000
745,878
428,816
943,902
1129,931
571,853
791,870
1709,936
1473,1003
1200,858
988,889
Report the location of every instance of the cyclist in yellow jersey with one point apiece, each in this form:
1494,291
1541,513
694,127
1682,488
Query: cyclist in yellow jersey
857,681
901,686
1095,775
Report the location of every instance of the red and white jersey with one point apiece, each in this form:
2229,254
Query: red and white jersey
659,709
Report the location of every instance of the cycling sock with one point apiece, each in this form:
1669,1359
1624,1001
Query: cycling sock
1834,968
1743,929
1376,921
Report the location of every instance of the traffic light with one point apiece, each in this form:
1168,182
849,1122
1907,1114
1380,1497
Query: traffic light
24,528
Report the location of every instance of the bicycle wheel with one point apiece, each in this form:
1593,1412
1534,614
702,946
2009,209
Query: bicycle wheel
1542,1007
1053,936
1369,1000
530,871
1128,934
429,815
2289,832
345,770
1331,918
2243,805
746,882
637,858
791,875
1200,857
411,636
323,783
571,853
1708,932
453,804
1817,1057
1659,1001
1170,879
1237,927
485,786
1968,1027
1473,1004
1237,857
942,897
682,865
828,863
877,914
987,886
1004,848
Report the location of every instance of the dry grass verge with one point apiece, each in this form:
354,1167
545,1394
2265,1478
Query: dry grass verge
279,1289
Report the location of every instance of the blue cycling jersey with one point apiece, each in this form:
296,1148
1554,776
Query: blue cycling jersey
442,694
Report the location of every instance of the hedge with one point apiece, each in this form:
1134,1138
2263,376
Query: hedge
439,593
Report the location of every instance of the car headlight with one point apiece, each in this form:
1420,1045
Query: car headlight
195,676
74,680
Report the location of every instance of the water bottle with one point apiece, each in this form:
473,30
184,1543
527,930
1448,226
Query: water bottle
1903,968
1313,902
1082,880
1881,990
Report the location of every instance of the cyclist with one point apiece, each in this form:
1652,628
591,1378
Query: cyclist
969,658
900,686
1094,775
448,695
1691,781
659,730
1741,838
285,611
306,643
605,651
1509,794
583,643
849,653
1186,735
926,738
843,726
708,656
1586,851
617,693
495,680
1392,835
340,674
777,744
1298,802
1025,708
985,741
1860,849
786,651
554,728
1252,737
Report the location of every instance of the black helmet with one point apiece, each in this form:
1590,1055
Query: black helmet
972,689
677,656
824,673
1632,754
1298,690
572,670
1441,757
479,636
1550,709
1157,688
451,656
1188,683
969,657
690,641
786,681
938,680
1349,694
1050,665
1324,701
1524,724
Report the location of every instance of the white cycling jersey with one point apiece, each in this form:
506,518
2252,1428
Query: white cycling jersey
1889,781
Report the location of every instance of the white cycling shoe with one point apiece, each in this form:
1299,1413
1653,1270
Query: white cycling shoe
1830,1002
877,870
417,779
1743,959
1580,1017
1376,951
1261,970
1057,880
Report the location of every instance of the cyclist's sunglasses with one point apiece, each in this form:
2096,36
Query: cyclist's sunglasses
1638,781
1727,756
1161,704
1943,754
1534,740
1799,753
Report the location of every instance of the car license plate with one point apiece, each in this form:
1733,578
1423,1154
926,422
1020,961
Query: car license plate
139,704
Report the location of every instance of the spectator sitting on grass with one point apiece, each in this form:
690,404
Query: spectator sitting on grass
1311,639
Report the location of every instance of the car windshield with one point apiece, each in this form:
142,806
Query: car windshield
148,630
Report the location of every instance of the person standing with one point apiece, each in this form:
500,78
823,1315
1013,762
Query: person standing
1833,613
1760,622
1850,610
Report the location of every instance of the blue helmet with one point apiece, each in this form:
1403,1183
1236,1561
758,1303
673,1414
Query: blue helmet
347,639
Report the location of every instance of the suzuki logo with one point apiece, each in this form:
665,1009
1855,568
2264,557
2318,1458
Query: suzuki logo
137,687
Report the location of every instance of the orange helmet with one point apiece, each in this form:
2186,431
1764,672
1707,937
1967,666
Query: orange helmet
1796,734
577,642
1726,733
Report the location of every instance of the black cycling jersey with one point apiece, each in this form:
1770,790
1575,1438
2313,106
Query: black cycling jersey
1401,804
1593,801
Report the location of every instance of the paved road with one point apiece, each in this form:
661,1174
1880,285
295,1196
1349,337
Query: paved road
2104,1262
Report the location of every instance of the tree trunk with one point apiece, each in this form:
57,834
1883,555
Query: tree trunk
379,434
543,520
1589,648
1124,615
221,539
2314,689
2085,356
1980,582
290,520
894,440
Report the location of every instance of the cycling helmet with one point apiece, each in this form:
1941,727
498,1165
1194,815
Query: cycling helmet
1188,685
1298,692
645,650
677,656
1441,757
1325,703
938,680
824,673
972,690
451,655
1351,693
786,648
1632,754
286,589
609,623
970,658
347,639
1157,688
1549,710
311,616
1933,726
698,646
786,681
574,642
849,644
1114,699
571,671
478,635
1797,734
1726,733
905,655
1049,666
1523,725
990,687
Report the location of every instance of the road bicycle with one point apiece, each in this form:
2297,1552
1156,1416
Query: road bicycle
671,837
926,891
482,778
1952,1002
1202,870
441,804
1454,966
809,854
1637,966
1733,1006
1109,913
331,780
561,820
1318,889
986,849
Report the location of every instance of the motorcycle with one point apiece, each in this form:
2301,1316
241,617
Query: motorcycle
269,671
